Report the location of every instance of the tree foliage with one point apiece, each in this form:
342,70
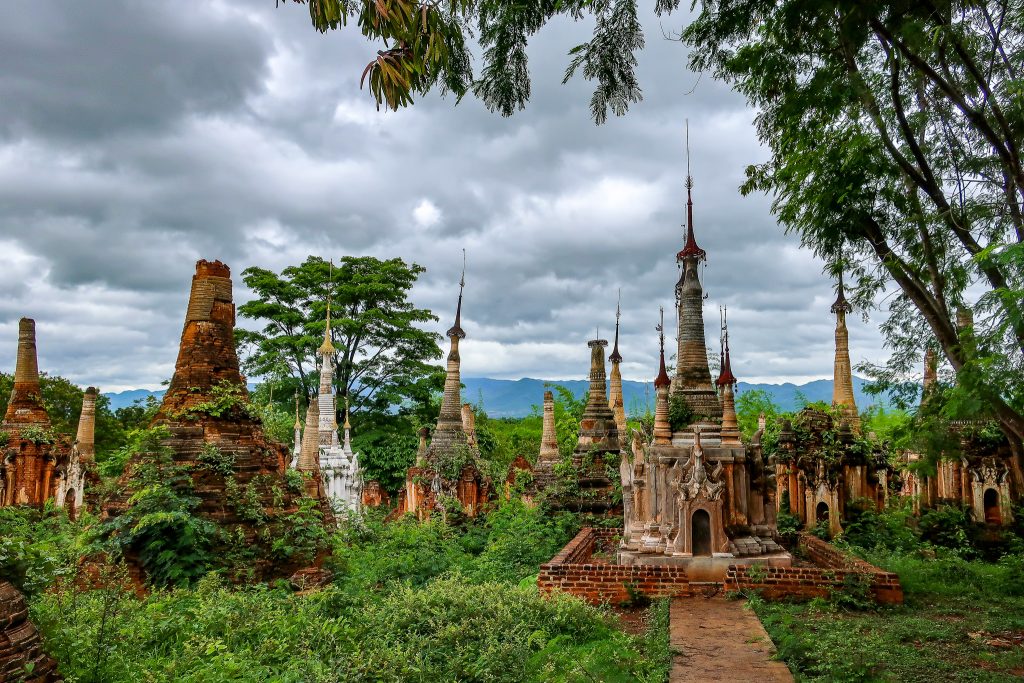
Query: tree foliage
382,356
895,132
426,46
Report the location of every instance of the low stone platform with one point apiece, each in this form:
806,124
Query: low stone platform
719,640
587,567
704,568
575,570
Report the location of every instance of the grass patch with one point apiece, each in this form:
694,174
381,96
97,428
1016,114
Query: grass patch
963,620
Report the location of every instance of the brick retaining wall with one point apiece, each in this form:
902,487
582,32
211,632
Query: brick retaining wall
834,566
571,571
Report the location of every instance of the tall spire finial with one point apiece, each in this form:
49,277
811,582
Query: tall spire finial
841,304
690,249
615,356
327,347
298,423
662,379
689,178
456,329
725,375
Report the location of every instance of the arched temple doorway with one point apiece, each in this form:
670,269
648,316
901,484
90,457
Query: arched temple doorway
69,504
992,514
701,532
821,512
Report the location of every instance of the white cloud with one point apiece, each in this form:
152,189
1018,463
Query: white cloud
426,214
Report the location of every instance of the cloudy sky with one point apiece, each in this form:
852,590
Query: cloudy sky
136,138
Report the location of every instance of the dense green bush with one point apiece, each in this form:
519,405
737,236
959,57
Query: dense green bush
37,547
954,608
411,601
444,631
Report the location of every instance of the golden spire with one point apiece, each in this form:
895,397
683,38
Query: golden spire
298,423
347,425
327,347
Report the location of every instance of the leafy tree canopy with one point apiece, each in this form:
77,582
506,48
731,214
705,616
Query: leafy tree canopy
426,46
383,358
895,132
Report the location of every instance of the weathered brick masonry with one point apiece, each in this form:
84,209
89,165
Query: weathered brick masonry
834,566
573,571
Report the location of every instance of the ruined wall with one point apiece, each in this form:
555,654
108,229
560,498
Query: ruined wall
573,571
835,571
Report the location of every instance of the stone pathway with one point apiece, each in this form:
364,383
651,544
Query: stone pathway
719,640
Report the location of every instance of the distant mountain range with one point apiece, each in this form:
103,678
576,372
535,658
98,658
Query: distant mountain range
516,397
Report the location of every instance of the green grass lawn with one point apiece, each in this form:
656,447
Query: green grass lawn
962,621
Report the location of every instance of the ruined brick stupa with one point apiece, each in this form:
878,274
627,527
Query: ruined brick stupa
447,468
21,646
32,457
206,405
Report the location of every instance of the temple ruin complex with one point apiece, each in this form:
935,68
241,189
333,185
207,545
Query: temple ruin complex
35,460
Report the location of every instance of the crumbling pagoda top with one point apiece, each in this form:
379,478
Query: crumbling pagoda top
26,404
207,406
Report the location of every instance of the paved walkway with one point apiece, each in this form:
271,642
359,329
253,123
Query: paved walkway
719,640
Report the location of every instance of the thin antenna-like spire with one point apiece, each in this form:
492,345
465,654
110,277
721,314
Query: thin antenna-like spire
456,329
615,356
662,379
690,248
298,423
689,182
725,375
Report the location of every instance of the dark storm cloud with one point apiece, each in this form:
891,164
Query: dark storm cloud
136,138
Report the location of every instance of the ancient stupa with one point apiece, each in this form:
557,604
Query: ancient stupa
32,457
21,646
842,378
197,413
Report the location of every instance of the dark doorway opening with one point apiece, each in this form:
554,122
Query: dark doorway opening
992,515
69,505
701,526
821,512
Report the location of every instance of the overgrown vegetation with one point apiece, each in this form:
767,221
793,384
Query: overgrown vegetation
963,619
410,601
